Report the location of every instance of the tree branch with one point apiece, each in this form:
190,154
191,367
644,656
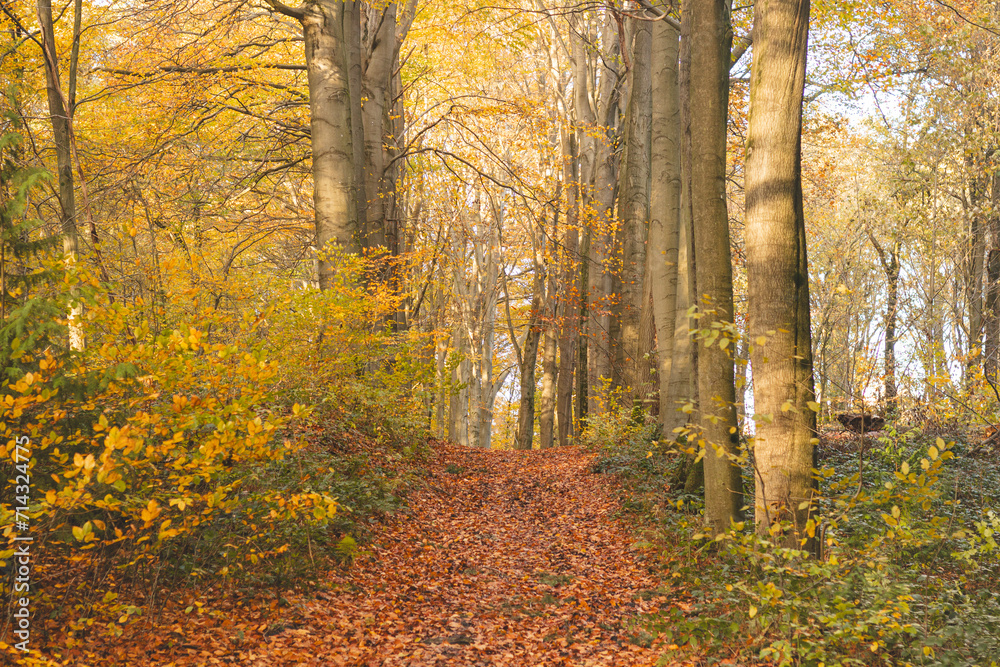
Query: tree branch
282,8
660,14
177,69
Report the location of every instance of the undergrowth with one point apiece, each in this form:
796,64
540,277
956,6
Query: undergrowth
193,445
907,575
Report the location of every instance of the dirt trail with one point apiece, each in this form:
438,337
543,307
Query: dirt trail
506,558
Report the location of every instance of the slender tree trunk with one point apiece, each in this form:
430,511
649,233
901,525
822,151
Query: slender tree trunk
634,216
458,408
529,358
711,39
581,400
891,308
550,366
355,64
570,298
334,195
889,258
568,338
547,398
442,376
664,216
777,273
992,341
377,83
684,367
597,169
64,160
974,276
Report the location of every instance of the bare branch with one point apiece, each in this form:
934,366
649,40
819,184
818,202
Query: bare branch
280,7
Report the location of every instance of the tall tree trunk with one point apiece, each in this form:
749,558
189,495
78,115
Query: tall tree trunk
597,125
777,273
581,399
61,134
550,366
377,83
664,210
991,349
570,298
684,366
354,12
324,29
568,335
529,358
458,408
547,398
974,273
443,380
634,217
708,28
891,309
889,258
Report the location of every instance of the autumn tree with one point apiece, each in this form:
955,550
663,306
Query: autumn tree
707,28
352,97
777,270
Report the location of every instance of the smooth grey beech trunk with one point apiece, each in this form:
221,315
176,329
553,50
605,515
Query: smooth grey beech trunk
596,104
664,215
323,27
633,209
376,87
352,56
61,134
529,358
706,24
684,365
991,346
550,345
777,275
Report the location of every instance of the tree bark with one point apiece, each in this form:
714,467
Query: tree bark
777,273
684,367
355,64
974,273
547,398
991,349
323,27
889,258
597,124
61,134
568,335
550,365
529,358
708,28
634,217
664,207
377,83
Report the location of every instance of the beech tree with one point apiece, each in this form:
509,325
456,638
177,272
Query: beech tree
777,271
354,89
61,114
707,28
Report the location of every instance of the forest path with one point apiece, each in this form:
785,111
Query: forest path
504,558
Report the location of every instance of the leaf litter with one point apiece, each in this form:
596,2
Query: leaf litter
503,558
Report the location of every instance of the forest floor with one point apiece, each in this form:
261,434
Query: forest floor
502,558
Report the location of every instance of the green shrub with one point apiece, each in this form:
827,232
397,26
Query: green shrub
907,574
